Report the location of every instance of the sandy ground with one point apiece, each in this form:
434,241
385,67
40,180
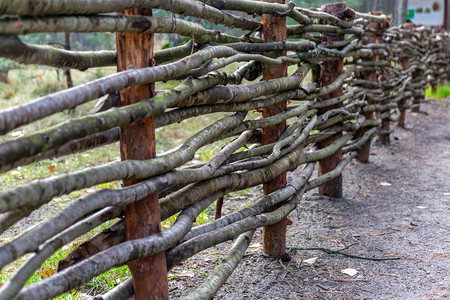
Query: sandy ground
397,205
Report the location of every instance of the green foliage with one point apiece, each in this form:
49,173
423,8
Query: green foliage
6,64
317,3
97,285
441,92
79,41
108,280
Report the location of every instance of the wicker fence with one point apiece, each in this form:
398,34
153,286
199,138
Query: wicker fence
364,75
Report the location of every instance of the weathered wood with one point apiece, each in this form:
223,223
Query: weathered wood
274,29
384,138
137,141
330,70
417,73
372,37
219,204
404,62
67,70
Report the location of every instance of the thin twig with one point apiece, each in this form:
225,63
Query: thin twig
330,251
287,269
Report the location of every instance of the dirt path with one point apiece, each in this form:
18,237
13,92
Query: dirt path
395,206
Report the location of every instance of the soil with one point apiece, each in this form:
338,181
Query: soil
397,205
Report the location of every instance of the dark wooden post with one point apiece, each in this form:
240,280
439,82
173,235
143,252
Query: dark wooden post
372,37
330,70
137,141
385,75
274,29
67,71
219,204
404,61
384,138
421,92
4,76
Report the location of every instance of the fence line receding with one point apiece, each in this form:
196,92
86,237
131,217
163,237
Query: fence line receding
330,84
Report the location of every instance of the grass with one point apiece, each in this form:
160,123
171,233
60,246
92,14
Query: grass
33,82
442,91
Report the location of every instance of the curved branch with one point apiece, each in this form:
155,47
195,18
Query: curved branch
87,7
327,17
204,241
298,30
217,278
332,174
113,23
260,7
41,191
74,146
20,277
13,48
42,107
115,256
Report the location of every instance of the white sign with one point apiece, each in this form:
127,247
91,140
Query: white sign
426,12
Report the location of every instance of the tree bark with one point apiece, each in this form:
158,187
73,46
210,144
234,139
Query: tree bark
330,70
274,29
405,65
364,151
138,141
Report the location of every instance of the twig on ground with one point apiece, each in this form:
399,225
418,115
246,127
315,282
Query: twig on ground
330,251
289,270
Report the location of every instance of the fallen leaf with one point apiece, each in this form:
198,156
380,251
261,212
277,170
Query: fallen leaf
349,271
48,273
52,168
385,184
9,96
255,245
187,274
310,261
17,25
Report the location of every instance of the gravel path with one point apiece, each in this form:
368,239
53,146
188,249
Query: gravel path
395,206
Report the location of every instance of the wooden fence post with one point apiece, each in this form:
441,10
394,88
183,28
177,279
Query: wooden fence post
404,61
274,29
330,70
372,37
421,91
137,141
384,138
384,135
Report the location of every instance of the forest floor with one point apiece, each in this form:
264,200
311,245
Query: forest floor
397,205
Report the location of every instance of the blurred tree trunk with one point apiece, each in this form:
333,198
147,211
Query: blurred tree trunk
4,76
67,70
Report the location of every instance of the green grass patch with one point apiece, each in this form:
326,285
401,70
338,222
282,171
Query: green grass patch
442,91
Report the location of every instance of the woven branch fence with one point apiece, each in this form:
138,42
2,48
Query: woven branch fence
364,75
